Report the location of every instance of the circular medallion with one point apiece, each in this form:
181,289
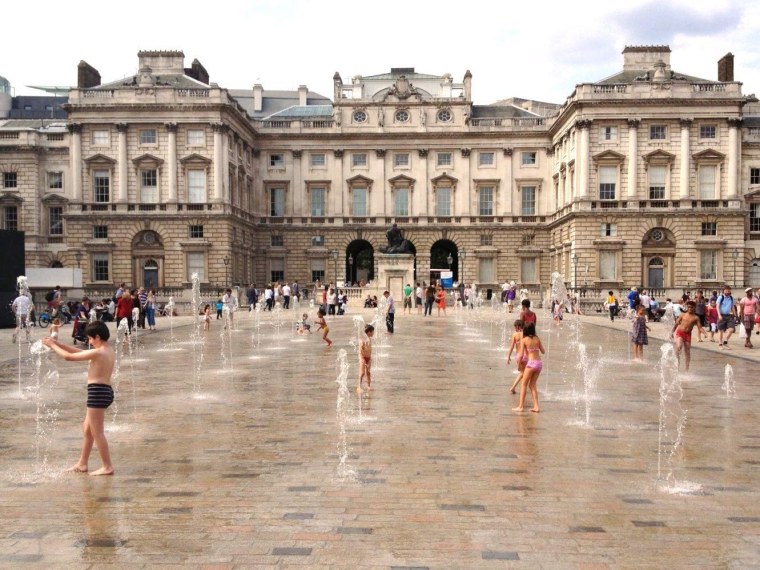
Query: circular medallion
360,117
149,238
402,116
444,115
658,235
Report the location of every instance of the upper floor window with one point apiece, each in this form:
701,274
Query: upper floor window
754,175
444,159
607,182
528,200
276,240
196,186
657,175
401,202
707,131
195,231
443,201
486,158
276,161
608,230
276,201
317,160
318,241
10,180
359,159
101,138
707,178
102,186
486,239
56,221
359,202
10,218
528,158
401,159
657,132
709,228
148,136
55,180
100,232
608,133
485,201
317,201
754,217
196,137
149,186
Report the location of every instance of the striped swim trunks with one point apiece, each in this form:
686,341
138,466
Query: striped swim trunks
99,396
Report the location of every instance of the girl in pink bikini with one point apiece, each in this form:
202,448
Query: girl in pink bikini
532,347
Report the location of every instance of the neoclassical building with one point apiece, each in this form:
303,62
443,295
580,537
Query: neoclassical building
648,177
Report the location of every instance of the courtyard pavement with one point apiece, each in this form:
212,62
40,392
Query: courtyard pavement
246,464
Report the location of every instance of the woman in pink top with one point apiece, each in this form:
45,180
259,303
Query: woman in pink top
748,308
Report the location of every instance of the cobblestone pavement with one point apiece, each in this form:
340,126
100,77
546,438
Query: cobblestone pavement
241,465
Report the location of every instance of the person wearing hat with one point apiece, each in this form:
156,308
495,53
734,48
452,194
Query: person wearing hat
748,309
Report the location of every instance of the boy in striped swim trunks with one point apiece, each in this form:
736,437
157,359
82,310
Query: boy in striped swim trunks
100,360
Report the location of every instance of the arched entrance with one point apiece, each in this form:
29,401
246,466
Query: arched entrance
658,251
360,261
754,273
56,265
147,258
444,255
656,273
150,274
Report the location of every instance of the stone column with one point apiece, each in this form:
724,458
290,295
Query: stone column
465,206
218,129
633,158
171,129
424,196
507,186
732,191
122,196
299,203
683,180
76,161
339,198
583,158
384,209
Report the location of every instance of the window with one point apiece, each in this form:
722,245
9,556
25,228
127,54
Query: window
317,160
401,202
529,239
359,202
196,186
402,116
657,182
609,133
10,180
100,232
486,158
55,180
528,200
485,270
528,270
400,160
317,201
277,267
359,160
195,232
276,240
100,267
444,116
708,264
754,175
528,159
318,241
486,239
709,228
10,218
609,230
101,138
148,186
55,214
443,201
707,182
196,137
607,182
707,131
360,117
102,186
657,132
754,217
485,207
444,159
276,201
608,265
317,269
148,136
196,263
276,161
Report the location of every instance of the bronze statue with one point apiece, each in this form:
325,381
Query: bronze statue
396,242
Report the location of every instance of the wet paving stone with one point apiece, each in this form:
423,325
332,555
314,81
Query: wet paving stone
298,516
462,507
496,555
591,529
744,520
178,494
302,489
291,551
648,523
353,530
176,510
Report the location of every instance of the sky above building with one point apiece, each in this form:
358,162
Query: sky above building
537,50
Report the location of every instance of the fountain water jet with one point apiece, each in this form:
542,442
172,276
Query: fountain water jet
343,412
729,384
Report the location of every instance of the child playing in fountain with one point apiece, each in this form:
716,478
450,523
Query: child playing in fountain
711,314
206,317
99,392
323,326
303,325
531,348
639,335
516,338
682,330
365,358
55,326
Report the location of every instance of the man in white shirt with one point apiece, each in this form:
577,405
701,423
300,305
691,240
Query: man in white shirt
644,299
269,297
22,306
418,297
286,296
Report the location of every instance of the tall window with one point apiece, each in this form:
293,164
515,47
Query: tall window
444,159
196,263
528,200
196,137
10,218
10,180
102,182
317,269
101,138
100,267
317,201
657,182
148,136
607,182
708,264
485,270
709,228
277,269
276,201
401,159
754,217
754,175
317,160
443,201
486,159
657,132
359,202
485,207
196,186
401,199
149,186
55,180
359,160
608,265
707,182
528,159
528,269
55,214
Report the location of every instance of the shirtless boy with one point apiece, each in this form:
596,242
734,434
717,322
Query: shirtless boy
682,330
516,339
365,358
99,392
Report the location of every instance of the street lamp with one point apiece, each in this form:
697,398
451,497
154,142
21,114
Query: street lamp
449,259
226,267
574,259
335,263
350,267
462,254
78,257
735,255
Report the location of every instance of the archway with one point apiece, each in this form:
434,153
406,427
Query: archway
444,255
150,274
658,251
360,261
56,265
147,258
656,273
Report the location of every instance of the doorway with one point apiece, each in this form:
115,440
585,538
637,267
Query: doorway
150,274
656,276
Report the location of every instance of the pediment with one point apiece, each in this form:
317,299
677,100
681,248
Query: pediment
608,156
195,158
359,180
659,156
54,198
147,160
100,159
444,178
753,194
402,180
11,198
708,154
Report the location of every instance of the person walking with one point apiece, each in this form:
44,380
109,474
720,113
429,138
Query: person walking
390,311
748,308
429,299
440,300
612,305
286,296
727,312
150,309
408,298
530,346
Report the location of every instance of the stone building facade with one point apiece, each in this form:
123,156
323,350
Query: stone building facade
649,177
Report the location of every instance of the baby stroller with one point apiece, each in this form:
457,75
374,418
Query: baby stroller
77,332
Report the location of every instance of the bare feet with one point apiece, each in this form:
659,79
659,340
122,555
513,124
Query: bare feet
77,469
535,410
102,471
518,409
512,391
359,390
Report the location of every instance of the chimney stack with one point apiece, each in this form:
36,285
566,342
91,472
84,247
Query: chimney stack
258,95
197,71
303,91
726,67
87,76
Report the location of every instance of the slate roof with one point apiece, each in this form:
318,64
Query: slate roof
304,111
500,112
396,74
274,102
51,125
177,80
632,76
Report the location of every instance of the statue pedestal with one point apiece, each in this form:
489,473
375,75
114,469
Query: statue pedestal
394,270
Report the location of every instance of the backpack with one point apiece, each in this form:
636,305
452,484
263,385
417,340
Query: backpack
50,296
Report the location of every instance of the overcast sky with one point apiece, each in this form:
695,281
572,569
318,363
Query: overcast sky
539,49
